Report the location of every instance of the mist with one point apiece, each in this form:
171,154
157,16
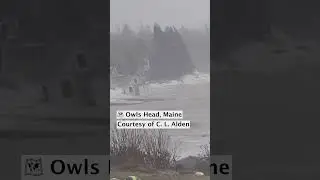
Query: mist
189,13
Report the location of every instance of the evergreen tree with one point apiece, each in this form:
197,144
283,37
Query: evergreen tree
127,32
171,59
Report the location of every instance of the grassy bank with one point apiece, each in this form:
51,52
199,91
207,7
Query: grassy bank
153,155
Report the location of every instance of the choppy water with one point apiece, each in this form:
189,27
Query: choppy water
192,95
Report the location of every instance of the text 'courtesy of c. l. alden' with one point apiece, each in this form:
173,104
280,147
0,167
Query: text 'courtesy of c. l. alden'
151,120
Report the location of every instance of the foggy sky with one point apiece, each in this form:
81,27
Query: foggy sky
190,13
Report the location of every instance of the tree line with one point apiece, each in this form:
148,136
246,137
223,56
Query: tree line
172,52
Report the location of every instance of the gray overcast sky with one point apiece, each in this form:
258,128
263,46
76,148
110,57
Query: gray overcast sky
190,13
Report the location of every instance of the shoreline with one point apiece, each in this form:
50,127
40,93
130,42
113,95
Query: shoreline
186,168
